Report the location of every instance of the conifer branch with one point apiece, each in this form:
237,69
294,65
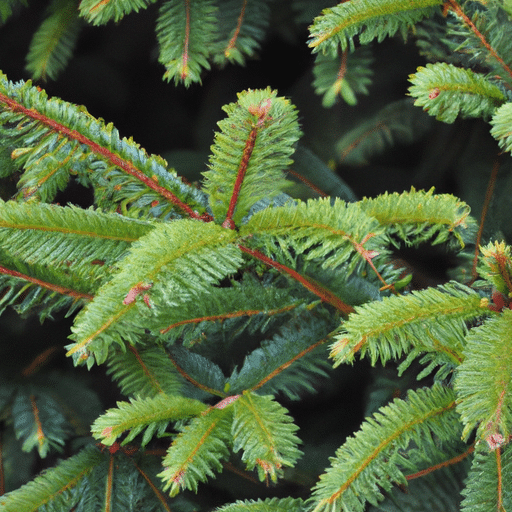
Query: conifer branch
96,148
455,6
49,286
308,283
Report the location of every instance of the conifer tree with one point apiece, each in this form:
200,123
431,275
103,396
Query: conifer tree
213,306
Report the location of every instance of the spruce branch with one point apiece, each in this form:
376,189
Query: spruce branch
53,44
100,12
445,91
369,19
250,154
69,140
372,460
151,415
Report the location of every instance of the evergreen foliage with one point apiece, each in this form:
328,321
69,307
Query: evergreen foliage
217,306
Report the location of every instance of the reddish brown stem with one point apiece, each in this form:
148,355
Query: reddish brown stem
318,289
444,464
125,165
307,183
288,363
49,286
232,314
145,369
242,169
159,494
232,41
453,4
194,382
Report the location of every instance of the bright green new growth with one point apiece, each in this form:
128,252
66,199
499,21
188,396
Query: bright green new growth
209,305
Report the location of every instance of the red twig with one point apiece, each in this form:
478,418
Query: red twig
453,4
232,41
49,286
444,464
116,160
318,289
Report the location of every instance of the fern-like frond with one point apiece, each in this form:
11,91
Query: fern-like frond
151,415
144,371
99,12
397,123
373,460
289,363
265,433
419,216
268,505
197,451
430,320
489,482
343,76
39,422
495,266
317,229
242,25
250,153
483,382
446,91
53,487
370,19
53,43
51,140
174,263
186,33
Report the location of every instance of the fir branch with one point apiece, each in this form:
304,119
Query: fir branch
242,25
54,485
445,91
145,372
318,230
151,415
488,481
501,126
418,216
308,283
53,43
186,32
483,382
289,363
199,371
268,505
345,76
53,139
99,12
176,262
371,461
489,22
197,451
495,266
430,320
250,154
369,19
265,433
